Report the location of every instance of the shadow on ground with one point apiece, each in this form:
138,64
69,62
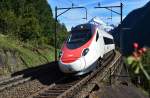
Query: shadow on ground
46,74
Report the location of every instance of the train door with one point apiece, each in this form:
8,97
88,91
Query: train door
100,44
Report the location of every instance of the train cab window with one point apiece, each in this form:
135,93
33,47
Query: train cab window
78,38
97,36
108,41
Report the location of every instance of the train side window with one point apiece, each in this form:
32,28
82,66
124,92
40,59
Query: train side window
108,41
97,36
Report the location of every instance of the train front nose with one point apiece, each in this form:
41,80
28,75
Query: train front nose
72,67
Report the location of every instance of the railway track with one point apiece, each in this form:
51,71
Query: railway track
13,81
57,88
17,79
21,77
67,86
29,81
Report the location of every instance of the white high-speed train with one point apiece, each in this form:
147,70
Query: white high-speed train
86,44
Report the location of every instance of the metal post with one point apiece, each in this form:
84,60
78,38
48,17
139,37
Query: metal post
149,88
110,76
56,16
55,33
120,38
121,12
86,14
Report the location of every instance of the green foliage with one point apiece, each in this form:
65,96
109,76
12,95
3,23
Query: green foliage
27,28
61,35
29,54
146,61
140,69
30,20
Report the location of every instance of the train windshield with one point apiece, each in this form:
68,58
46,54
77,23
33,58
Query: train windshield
78,38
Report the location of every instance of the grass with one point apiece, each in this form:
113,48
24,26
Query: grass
27,55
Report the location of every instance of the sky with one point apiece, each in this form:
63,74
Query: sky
75,16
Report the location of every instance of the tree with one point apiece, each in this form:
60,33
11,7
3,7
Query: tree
29,20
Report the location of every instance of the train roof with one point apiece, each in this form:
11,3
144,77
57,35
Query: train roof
83,26
91,27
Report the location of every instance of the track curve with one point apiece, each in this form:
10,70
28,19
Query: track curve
68,86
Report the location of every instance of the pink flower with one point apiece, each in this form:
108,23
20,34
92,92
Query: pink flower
140,51
135,45
144,49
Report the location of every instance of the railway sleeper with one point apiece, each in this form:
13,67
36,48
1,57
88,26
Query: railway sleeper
58,89
50,94
62,86
44,97
10,79
49,91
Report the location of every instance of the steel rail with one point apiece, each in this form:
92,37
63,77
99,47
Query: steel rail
13,81
69,89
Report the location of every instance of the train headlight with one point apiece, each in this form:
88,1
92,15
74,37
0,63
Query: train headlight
85,51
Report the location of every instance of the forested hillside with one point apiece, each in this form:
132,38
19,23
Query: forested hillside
27,34
135,28
29,20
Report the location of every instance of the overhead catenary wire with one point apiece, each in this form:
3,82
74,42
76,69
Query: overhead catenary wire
70,18
74,4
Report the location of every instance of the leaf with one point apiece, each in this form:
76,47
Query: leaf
144,71
130,60
137,70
